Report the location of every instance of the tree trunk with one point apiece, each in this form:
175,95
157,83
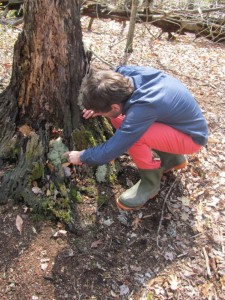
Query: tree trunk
40,101
130,35
191,4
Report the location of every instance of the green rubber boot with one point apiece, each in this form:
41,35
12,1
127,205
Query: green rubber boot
146,188
171,161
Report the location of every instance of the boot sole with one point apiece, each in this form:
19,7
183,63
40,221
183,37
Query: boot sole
178,167
127,208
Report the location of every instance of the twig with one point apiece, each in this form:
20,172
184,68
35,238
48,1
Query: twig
102,60
196,11
220,103
207,261
222,239
161,218
11,22
171,212
196,235
110,47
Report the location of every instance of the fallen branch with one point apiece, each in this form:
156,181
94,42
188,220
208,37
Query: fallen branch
207,261
162,211
11,22
199,22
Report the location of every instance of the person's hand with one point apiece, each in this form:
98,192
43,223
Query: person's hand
87,113
73,157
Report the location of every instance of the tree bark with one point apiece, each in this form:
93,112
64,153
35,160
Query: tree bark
49,64
43,98
130,35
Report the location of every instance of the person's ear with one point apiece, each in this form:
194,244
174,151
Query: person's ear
116,107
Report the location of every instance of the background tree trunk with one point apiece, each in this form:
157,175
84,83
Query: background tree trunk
48,68
130,35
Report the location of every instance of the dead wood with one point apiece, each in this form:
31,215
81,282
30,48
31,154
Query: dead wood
198,21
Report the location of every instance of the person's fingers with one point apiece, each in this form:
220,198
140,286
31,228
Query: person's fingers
66,154
88,114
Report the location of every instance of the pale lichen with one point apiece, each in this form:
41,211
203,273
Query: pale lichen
57,149
101,173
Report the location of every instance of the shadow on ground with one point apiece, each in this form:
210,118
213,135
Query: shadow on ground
110,254
116,255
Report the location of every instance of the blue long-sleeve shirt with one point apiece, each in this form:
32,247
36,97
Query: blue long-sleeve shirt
157,97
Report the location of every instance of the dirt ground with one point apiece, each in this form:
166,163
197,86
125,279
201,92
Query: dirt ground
174,247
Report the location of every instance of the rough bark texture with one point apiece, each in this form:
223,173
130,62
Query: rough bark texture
48,68
49,64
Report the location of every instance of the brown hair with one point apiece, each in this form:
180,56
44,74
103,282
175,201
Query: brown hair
101,89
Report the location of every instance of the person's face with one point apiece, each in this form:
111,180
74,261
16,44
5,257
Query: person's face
116,110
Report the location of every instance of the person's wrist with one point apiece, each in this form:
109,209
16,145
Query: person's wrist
81,152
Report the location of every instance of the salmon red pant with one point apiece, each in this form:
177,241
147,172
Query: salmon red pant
160,137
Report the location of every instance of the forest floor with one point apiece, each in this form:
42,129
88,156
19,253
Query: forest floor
173,248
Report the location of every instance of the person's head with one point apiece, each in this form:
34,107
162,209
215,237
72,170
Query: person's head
105,90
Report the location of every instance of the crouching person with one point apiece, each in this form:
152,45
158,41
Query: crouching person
151,111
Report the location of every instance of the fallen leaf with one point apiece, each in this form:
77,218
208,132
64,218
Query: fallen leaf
214,201
25,130
44,266
34,183
19,223
136,223
36,190
61,232
113,294
48,193
173,282
222,281
124,289
95,244
44,260
108,222
207,289
184,216
66,164
50,167
25,209
34,229
185,201
122,217
213,140
168,255
60,225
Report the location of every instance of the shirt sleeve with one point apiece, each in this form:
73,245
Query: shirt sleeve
138,119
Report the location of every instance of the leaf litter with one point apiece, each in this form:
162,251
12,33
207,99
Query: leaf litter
117,256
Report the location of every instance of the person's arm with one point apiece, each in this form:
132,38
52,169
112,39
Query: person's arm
136,122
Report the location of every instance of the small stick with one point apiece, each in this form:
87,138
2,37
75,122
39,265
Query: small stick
161,218
206,261
112,67
222,239
196,235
